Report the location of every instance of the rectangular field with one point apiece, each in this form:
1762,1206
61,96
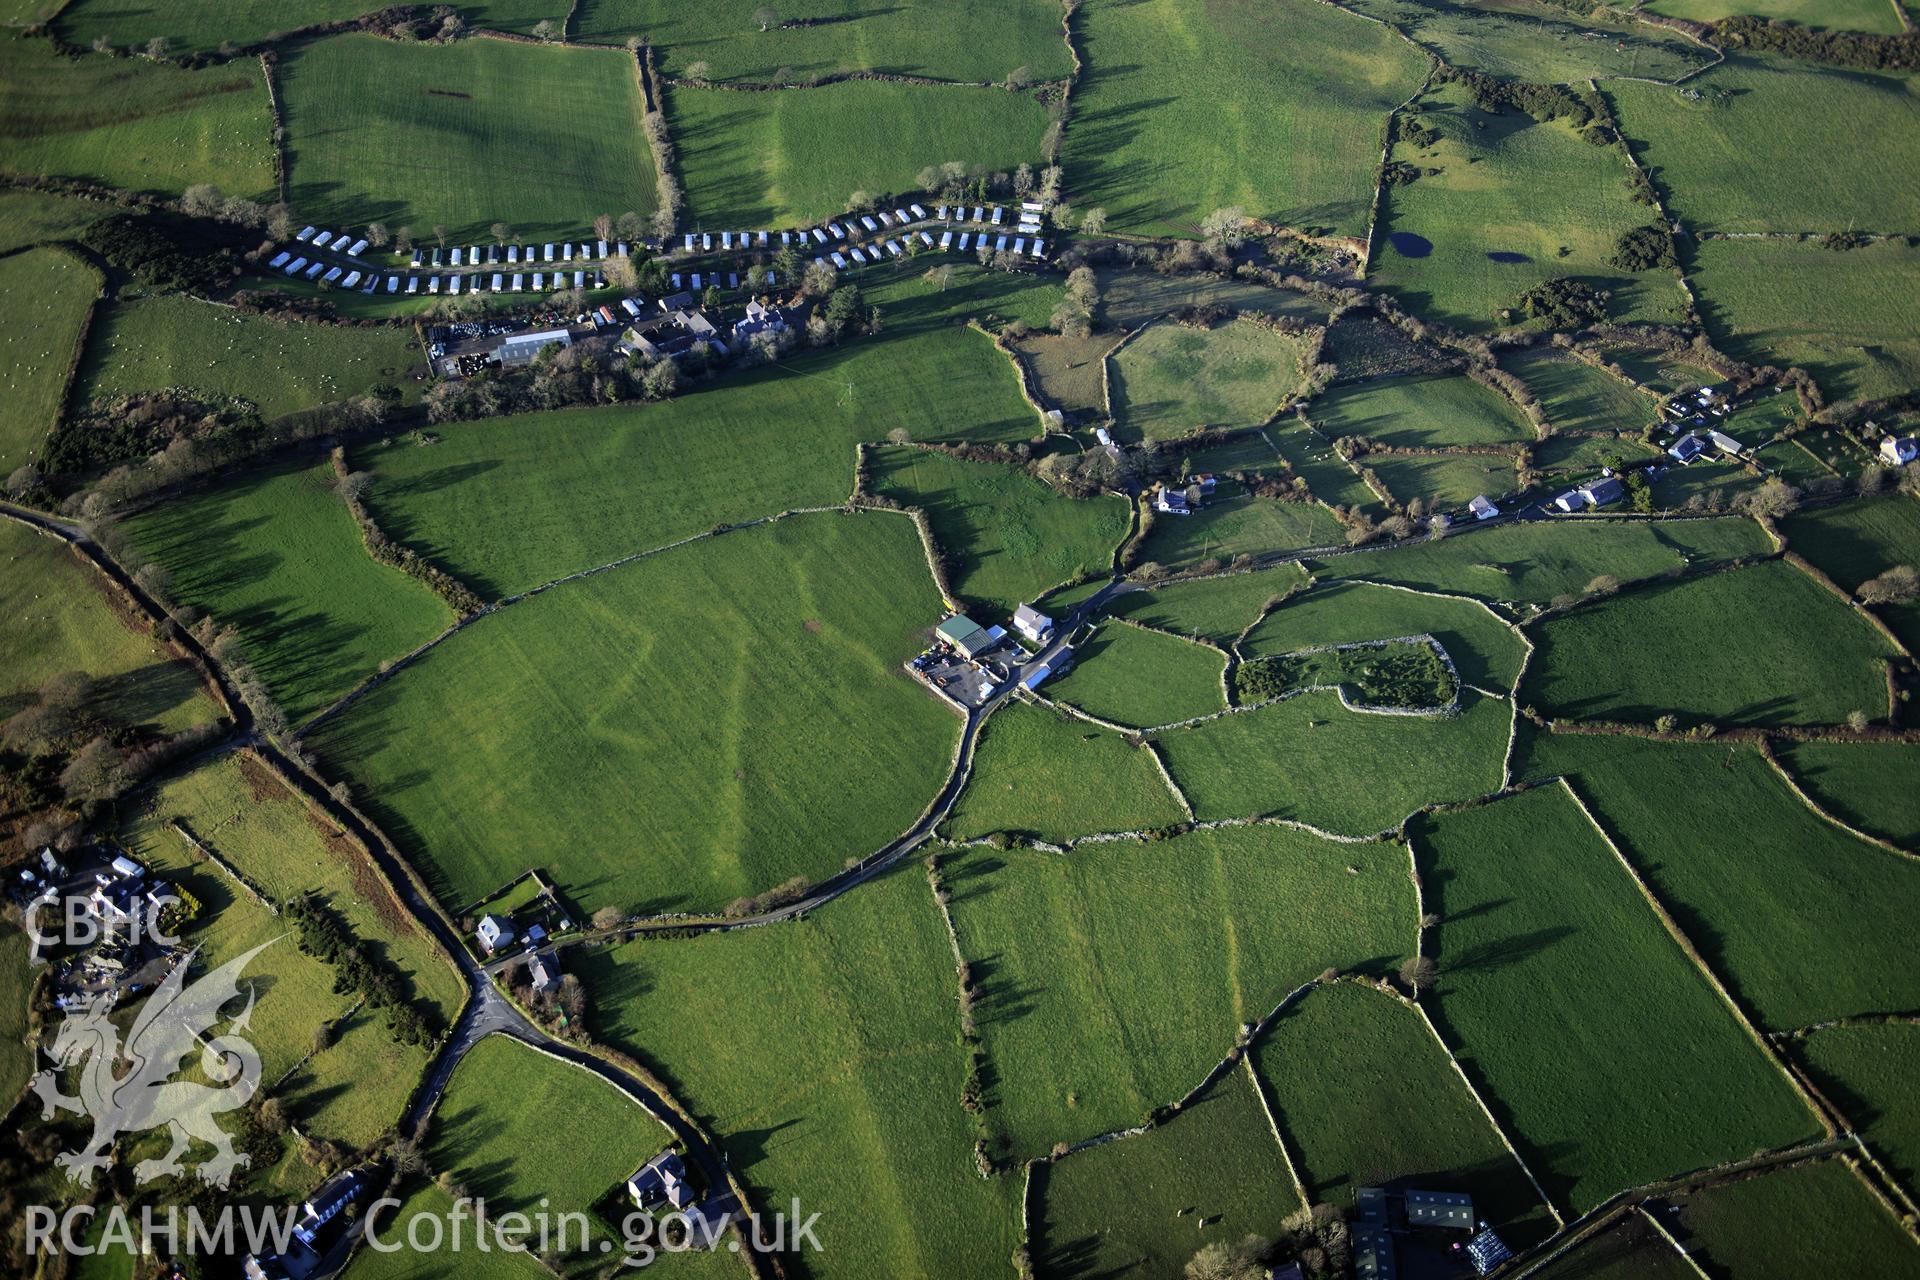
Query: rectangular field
166,341
1871,1072
425,136
1862,540
1420,413
1289,94
1877,17
48,294
276,555
1579,397
1176,378
1113,979
129,122
1796,1220
658,759
1486,650
1235,523
1538,41
1142,678
1865,784
196,26
1646,1072
1218,609
1691,648
790,157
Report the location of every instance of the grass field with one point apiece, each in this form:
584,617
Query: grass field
1537,42
1800,1220
1564,459
1218,609
1176,378
1869,1072
407,134
196,26
791,157
1419,413
1864,784
1444,480
1661,371
918,37
1486,650
1367,1098
17,1059
1647,1073
1778,146
511,502
1681,648
1632,1250
1311,760
1313,459
1579,397
276,555
1235,522
668,759
1713,481
1874,16
1141,678
51,291
1041,773
1290,97
1113,979
1848,318
357,1087
1131,297
1862,540
1801,920
1146,1204
133,123
1011,536
428,1200
29,217
510,1129
1536,562
1515,203
1070,371
56,616
825,1056
164,341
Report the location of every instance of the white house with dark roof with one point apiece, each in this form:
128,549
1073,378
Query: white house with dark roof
661,1180
1898,451
495,932
1483,508
543,971
1032,624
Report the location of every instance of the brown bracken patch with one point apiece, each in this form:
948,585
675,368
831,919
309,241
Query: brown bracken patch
813,626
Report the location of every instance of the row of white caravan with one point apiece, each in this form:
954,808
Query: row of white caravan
695,280
514,255
876,223
332,242
396,282
966,242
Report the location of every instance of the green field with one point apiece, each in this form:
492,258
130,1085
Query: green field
29,217
1485,649
1311,760
1535,562
511,1124
1010,536
1113,979
1646,1073
1659,370
1444,481
1802,921
1042,773
197,26
825,1056
1233,523
1807,1219
669,759
1578,397
914,37
1564,459
1141,678
792,157
1539,42
277,556
57,616
164,341
424,135
1313,459
1862,540
1515,203
1130,298
1778,146
356,1088
1869,1073
508,503
50,293
1216,609
17,1059
395,1261
1630,1251
1876,16
1177,378
133,123
1848,318
1419,413
1367,1098
1146,1204
1867,785
1682,648
1289,95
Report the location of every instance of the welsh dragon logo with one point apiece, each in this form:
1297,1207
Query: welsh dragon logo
172,1024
